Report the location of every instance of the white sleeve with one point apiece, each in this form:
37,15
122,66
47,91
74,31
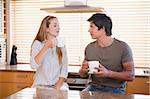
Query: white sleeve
34,51
64,69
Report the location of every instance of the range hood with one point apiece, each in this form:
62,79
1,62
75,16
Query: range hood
74,6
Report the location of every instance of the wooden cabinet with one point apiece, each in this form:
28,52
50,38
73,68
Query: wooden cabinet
13,81
140,85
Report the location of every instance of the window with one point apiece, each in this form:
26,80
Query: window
1,18
2,39
131,23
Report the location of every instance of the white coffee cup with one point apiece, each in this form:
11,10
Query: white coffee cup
60,42
92,66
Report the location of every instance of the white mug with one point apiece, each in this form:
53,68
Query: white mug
92,66
60,42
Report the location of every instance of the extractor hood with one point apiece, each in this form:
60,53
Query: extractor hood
74,6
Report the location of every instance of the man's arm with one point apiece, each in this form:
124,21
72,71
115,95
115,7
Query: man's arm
126,75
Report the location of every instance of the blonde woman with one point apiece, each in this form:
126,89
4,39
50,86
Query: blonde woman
49,60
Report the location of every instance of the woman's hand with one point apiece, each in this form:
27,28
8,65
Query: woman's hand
50,43
59,83
56,87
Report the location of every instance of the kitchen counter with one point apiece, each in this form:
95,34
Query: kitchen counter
27,68
31,93
18,67
14,78
72,69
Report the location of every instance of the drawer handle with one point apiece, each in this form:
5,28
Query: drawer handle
21,86
71,80
148,82
22,76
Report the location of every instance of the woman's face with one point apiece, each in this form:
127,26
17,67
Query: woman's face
53,29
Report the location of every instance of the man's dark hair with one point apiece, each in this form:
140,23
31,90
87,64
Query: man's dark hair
102,21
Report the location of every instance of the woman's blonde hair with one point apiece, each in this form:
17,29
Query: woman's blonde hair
41,35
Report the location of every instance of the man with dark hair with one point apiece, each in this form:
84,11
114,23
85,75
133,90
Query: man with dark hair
115,58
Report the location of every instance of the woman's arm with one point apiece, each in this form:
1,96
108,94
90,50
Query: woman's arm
38,58
36,47
59,83
63,71
49,44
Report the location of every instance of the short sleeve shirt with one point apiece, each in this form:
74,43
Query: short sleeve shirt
112,57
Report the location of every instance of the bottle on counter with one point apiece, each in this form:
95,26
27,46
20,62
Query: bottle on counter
13,60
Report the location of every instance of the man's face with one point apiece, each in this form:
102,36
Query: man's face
95,33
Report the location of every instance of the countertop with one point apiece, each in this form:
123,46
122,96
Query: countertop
27,68
72,69
31,93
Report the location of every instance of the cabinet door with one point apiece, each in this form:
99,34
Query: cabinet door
10,88
140,85
13,81
22,77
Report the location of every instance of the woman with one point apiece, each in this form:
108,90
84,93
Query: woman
49,60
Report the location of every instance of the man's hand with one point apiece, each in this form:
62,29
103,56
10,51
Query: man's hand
84,69
102,72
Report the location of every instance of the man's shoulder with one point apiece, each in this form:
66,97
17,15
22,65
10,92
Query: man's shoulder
92,43
121,43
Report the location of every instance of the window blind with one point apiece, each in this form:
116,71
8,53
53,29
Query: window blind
131,23
1,18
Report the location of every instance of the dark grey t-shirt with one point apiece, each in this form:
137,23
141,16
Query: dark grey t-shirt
112,57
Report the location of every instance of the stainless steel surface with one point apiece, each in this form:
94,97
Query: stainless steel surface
74,6
139,71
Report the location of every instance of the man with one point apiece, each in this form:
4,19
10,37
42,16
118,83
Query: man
114,56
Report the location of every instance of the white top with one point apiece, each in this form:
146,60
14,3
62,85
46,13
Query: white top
49,70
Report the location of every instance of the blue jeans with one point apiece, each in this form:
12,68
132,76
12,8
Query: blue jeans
104,89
